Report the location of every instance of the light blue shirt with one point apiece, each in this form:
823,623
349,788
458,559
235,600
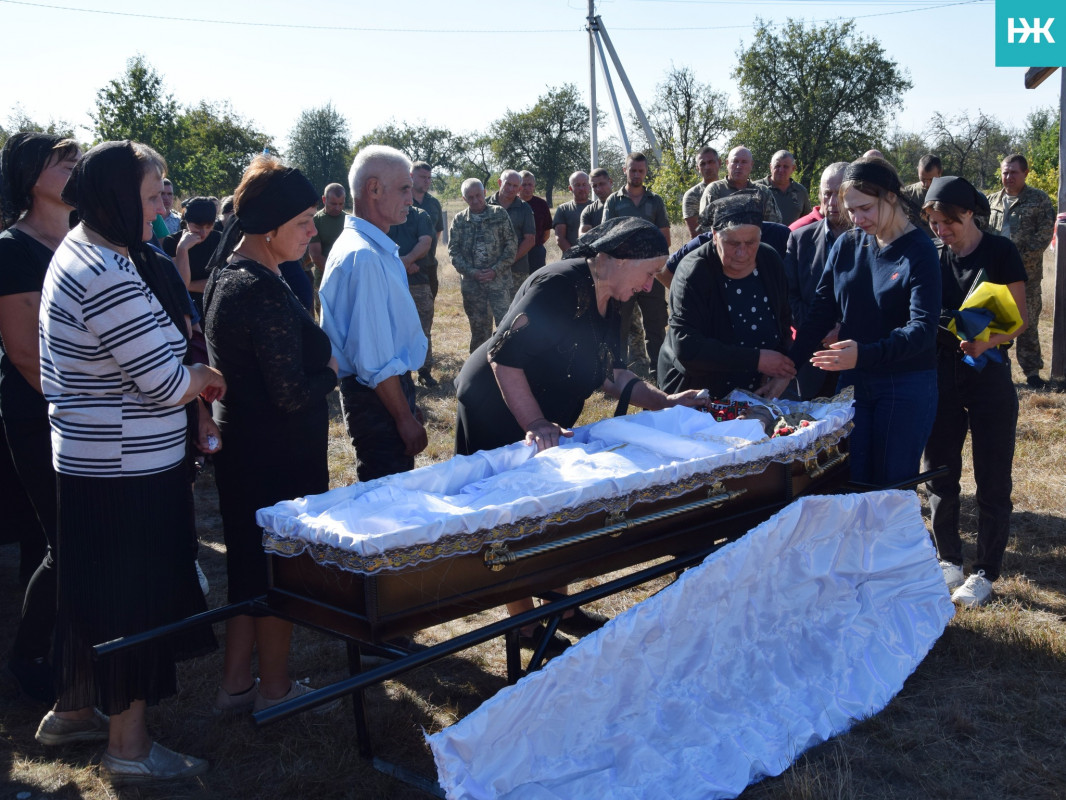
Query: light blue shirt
367,309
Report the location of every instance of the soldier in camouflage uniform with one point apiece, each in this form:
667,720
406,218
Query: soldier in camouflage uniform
482,245
1027,216
738,170
793,200
929,167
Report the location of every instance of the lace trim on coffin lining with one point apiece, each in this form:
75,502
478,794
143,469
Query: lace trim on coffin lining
463,544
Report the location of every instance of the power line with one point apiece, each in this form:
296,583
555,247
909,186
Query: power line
496,32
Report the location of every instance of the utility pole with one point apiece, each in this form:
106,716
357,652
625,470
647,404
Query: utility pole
600,43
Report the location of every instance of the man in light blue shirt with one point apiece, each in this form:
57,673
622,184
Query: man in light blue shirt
371,320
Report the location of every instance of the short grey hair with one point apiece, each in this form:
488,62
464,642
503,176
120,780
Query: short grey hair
830,172
527,174
333,190
507,173
469,183
371,162
574,176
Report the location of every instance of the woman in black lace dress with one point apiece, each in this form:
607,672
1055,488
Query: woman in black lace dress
274,419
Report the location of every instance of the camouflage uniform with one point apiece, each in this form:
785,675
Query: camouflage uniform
525,224
406,236
690,200
483,241
1031,224
915,193
793,202
720,189
431,206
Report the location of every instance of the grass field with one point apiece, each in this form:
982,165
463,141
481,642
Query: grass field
983,717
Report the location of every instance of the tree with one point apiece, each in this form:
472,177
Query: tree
971,147
818,91
478,159
438,147
138,108
217,146
1040,144
319,145
685,116
550,139
18,120
905,150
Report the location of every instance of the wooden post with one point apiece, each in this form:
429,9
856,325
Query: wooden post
1058,331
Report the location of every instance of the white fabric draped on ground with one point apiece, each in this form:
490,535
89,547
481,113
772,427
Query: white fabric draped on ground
607,459
775,643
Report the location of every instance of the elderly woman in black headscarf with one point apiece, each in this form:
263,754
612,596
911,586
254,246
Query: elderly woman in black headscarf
982,401
730,323
557,344
274,419
113,334
882,282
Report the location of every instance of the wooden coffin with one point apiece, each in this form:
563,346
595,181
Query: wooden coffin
573,545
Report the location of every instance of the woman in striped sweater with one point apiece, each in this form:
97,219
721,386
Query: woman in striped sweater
111,370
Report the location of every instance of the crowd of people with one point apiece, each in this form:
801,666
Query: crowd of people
137,341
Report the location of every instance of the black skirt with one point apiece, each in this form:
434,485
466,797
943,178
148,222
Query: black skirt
127,551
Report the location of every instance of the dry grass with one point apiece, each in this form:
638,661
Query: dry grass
982,717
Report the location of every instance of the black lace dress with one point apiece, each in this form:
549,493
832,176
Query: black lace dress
274,418
566,350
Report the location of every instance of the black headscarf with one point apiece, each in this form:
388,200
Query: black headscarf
286,194
956,191
105,190
740,208
621,237
874,172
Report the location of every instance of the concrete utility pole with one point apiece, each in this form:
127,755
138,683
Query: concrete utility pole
1033,78
599,42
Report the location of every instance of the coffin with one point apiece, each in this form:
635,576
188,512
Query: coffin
379,559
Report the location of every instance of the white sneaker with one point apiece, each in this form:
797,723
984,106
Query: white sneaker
975,592
205,587
953,575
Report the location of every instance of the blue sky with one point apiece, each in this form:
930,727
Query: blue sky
462,63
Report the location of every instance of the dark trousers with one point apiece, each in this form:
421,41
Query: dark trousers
893,416
655,312
985,404
379,448
31,450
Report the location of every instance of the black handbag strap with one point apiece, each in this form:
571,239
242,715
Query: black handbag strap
623,399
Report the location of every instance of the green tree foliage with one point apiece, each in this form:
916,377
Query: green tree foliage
685,116
670,180
971,147
18,121
138,107
550,139
319,144
438,147
819,91
1040,145
216,146
477,158
206,147
904,150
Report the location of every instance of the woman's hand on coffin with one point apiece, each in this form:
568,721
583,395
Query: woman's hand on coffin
841,356
693,398
545,434
772,388
775,364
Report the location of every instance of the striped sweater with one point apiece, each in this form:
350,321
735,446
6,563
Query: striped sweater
110,366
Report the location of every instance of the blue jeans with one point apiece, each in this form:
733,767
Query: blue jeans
894,414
